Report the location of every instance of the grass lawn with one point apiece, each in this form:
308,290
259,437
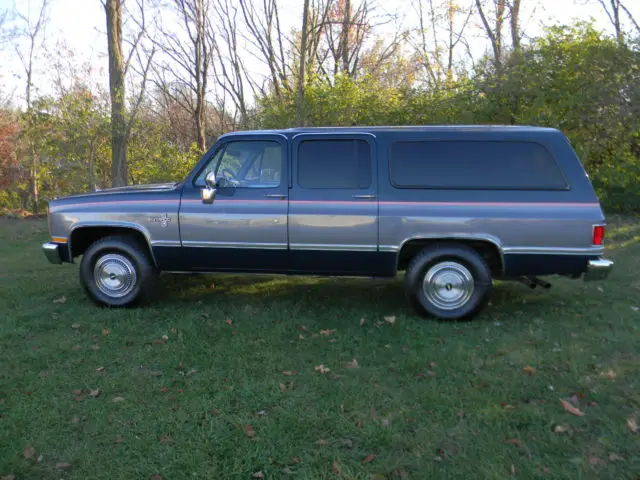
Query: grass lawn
222,380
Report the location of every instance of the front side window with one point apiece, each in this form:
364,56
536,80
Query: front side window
334,164
246,164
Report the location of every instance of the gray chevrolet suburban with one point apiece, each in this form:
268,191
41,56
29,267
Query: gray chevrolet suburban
454,207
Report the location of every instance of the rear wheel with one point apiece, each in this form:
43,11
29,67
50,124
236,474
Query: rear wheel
117,271
448,281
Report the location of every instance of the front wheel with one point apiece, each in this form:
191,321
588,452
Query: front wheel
116,271
448,281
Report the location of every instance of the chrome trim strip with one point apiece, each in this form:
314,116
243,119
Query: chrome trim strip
334,247
166,243
389,248
332,134
554,250
240,133
199,244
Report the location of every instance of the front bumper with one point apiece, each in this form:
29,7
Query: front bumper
52,252
598,269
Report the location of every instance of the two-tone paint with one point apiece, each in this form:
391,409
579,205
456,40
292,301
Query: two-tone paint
287,229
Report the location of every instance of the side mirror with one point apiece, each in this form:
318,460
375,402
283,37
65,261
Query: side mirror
208,194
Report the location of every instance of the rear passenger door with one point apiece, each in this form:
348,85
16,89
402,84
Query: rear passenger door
333,204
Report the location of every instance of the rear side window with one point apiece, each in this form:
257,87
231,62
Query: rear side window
474,164
334,164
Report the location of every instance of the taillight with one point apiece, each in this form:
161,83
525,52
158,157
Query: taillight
598,234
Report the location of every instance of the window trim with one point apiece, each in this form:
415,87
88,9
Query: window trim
333,138
566,187
222,147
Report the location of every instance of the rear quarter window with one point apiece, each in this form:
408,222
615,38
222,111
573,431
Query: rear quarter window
474,165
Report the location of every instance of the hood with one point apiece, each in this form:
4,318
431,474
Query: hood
150,188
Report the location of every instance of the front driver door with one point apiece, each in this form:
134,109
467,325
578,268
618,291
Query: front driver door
245,228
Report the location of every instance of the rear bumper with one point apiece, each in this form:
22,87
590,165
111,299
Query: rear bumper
598,269
52,252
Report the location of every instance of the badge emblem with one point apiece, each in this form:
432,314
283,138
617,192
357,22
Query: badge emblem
163,220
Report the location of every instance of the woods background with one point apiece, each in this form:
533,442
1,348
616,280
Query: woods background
179,73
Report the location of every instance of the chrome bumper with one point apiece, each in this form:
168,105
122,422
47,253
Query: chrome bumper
598,269
51,252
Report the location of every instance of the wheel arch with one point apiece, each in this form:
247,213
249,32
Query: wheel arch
488,246
84,234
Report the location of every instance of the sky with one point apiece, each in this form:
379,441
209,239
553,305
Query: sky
81,25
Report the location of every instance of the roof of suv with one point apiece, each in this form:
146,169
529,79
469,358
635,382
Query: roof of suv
414,128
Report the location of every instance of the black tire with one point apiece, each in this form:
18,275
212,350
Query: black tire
462,261
124,253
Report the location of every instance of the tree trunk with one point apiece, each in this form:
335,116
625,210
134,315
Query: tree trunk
303,61
113,9
346,27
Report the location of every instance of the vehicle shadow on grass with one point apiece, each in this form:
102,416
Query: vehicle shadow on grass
384,295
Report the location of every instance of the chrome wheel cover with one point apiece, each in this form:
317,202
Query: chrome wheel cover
448,285
114,275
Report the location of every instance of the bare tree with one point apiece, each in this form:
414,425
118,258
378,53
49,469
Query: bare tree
612,9
429,50
494,32
184,77
514,11
303,58
265,35
631,19
32,30
113,10
228,66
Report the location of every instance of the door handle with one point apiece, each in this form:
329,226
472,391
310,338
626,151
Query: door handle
365,197
279,196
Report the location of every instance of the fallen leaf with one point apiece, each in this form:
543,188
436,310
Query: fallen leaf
79,398
258,475
362,321
529,370
614,457
75,420
95,347
322,369
632,424
62,299
288,373
369,458
118,439
357,423
326,332
165,337
594,460
99,369
95,393
611,374
352,364
76,347
77,392
158,341
262,413
571,409
215,412
297,460
283,388
155,476
635,309
346,443
75,325
29,451
432,364
560,428
228,321
336,468
155,373
106,331
248,429
174,331
322,442
513,441
391,319
8,477
63,466
117,400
